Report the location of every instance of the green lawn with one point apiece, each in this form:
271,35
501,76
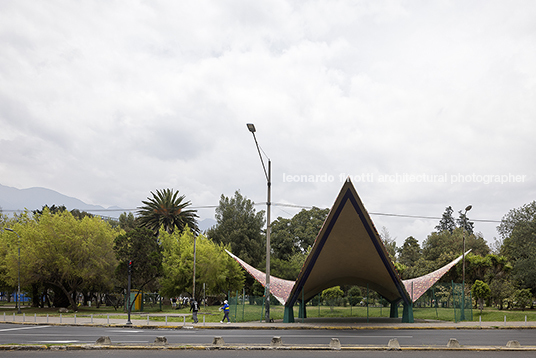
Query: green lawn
254,313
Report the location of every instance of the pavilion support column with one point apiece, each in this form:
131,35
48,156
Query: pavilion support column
302,313
289,314
394,310
407,315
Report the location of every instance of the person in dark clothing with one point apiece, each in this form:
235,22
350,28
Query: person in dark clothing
194,308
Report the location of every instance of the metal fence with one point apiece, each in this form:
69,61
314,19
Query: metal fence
447,300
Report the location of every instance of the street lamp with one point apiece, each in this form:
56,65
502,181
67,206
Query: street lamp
469,207
193,288
268,174
18,289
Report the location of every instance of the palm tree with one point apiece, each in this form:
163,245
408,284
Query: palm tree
167,209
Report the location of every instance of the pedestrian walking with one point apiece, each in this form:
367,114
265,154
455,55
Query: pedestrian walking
194,308
226,310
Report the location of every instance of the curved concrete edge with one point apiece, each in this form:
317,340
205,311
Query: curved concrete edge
74,347
214,325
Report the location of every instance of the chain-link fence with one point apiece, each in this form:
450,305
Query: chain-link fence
244,308
445,301
448,302
462,303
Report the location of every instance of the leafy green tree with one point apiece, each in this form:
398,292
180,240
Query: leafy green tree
389,243
522,298
306,225
524,214
282,240
401,269
447,222
410,252
7,241
142,248
287,269
501,289
168,210
331,295
443,242
480,291
486,268
355,296
422,267
520,244
465,223
64,252
59,209
52,209
441,248
214,266
127,222
296,235
240,227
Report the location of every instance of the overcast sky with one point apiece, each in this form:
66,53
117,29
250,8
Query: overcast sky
421,102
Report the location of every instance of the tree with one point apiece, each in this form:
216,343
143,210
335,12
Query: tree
522,298
410,252
486,268
331,295
287,269
464,223
518,228
447,221
282,240
58,209
168,210
526,213
355,295
214,266
296,235
240,227
480,291
501,289
61,251
142,248
127,222
438,243
440,248
52,209
389,243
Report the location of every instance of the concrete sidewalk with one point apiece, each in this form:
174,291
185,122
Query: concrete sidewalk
184,322
179,321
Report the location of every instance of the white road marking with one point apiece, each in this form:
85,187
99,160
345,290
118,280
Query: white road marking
21,328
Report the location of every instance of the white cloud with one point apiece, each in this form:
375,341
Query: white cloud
107,101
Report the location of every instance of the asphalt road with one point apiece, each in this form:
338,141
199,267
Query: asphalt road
41,334
268,354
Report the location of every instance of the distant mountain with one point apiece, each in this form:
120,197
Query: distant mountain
13,199
206,224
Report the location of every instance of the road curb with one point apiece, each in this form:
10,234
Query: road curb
74,347
271,327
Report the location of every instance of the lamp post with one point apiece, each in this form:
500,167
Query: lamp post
268,175
129,304
18,289
193,288
469,207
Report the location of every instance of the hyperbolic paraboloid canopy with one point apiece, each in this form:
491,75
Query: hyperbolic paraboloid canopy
348,251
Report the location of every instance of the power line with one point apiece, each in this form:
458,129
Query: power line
290,206
429,217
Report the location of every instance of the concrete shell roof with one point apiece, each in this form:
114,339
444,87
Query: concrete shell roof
348,251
